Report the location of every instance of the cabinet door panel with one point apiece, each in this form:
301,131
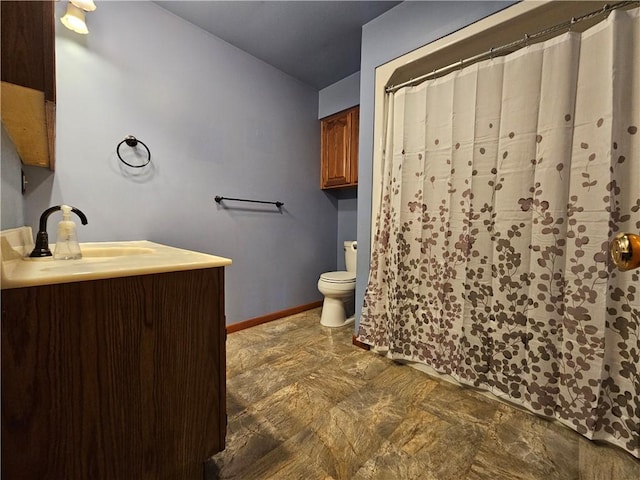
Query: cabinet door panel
114,379
336,151
27,45
340,149
353,152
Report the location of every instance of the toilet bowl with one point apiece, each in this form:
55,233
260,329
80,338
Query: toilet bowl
338,289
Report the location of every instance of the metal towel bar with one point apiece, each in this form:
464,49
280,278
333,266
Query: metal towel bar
218,199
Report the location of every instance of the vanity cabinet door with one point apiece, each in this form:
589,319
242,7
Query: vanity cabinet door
121,378
339,149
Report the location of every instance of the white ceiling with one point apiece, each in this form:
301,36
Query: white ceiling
317,42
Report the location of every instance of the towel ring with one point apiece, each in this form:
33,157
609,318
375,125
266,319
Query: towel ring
133,142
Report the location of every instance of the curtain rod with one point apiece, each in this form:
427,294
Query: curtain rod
509,46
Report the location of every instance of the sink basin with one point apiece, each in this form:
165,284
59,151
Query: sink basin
120,251
100,260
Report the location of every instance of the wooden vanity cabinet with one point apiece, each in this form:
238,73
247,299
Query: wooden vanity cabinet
29,78
339,149
120,378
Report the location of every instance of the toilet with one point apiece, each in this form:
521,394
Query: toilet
338,288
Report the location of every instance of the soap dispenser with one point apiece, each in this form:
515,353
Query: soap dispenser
67,247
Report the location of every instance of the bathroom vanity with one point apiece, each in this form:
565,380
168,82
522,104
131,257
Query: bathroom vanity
118,377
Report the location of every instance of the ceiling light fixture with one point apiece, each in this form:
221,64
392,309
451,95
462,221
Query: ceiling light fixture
86,5
75,17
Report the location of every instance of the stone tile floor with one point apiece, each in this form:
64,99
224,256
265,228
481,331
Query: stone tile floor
304,403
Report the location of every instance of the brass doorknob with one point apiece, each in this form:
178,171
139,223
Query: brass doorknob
625,251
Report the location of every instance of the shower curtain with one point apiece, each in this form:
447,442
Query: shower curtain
502,185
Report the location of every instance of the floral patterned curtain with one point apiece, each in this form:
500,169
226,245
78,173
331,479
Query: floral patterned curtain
503,184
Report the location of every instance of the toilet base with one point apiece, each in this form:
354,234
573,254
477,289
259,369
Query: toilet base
333,313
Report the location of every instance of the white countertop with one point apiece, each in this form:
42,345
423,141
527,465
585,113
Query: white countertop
100,260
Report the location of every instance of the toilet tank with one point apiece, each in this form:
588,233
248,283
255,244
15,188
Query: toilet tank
350,254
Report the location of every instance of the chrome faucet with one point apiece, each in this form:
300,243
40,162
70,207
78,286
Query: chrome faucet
42,238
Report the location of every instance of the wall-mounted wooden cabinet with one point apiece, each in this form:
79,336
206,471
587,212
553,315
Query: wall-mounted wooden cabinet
339,149
28,79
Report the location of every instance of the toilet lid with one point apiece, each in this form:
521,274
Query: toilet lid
338,277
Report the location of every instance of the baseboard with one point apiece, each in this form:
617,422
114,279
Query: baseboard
360,344
252,322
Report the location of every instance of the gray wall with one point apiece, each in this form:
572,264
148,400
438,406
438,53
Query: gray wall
347,222
333,99
217,122
12,214
402,29
339,96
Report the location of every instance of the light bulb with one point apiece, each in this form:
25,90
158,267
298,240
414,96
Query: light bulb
74,19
